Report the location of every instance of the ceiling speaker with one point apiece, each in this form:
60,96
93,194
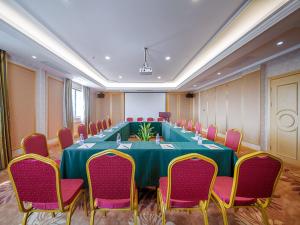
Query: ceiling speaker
100,95
189,95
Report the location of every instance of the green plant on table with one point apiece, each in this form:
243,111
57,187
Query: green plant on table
145,132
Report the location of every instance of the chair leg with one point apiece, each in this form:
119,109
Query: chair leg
69,215
92,217
264,215
163,216
53,214
25,217
135,216
224,214
204,213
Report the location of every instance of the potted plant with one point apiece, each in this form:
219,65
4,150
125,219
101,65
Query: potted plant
145,132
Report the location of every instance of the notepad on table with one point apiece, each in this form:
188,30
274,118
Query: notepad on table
109,130
99,135
212,146
125,146
86,145
167,146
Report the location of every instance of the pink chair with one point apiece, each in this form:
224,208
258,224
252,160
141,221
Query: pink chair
188,185
99,125
36,180
211,133
254,181
109,122
140,119
104,124
37,144
65,137
233,139
183,123
160,119
198,127
129,119
93,128
82,130
190,125
150,119
178,123
111,183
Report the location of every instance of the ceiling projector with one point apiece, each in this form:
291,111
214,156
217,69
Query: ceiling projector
145,70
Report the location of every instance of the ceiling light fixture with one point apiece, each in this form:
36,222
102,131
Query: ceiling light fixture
34,57
279,43
159,77
219,73
167,58
107,57
195,85
120,77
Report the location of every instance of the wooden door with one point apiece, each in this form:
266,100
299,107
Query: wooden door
285,118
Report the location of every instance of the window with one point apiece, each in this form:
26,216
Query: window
78,105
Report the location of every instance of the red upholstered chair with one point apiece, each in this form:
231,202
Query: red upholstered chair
150,119
111,183
198,127
233,139
190,125
183,123
65,137
160,119
36,180
129,119
82,130
178,123
211,133
93,128
254,181
104,124
188,186
140,119
36,143
109,122
99,125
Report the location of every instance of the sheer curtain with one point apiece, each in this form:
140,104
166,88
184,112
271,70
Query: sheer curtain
5,141
68,106
87,106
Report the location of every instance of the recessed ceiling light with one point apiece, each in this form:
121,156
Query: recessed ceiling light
107,57
34,57
159,77
279,43
120,77
167,58
195,85
219,73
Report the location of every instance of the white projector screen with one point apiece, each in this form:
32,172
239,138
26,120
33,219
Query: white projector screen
144,105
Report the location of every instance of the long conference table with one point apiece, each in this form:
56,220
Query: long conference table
151,159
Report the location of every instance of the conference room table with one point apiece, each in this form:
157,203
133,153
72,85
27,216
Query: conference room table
151,159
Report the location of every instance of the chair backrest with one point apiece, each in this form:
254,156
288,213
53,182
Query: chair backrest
111,175
178,123
233,139
82,130
140,119
104,124
109,122
35,143
150,119
160,119
190,125
129,119
193,172
198,127
256,175
65,137
93,128
35,179
99,125
211,133
183,123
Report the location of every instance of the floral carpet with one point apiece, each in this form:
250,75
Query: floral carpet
284,209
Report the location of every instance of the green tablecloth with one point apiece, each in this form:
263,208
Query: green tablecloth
151,160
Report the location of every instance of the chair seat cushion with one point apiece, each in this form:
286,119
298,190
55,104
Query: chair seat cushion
69,189
112,203
223,187
175,203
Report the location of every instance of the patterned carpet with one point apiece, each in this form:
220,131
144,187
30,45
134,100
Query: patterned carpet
285,209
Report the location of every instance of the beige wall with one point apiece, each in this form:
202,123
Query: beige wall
55,106
112,105
179,106
235,104
21,93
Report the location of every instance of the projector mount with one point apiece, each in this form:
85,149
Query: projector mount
145,70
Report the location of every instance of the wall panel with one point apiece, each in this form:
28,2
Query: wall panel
221,108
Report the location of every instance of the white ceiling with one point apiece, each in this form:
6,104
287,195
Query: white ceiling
180,29
121,29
